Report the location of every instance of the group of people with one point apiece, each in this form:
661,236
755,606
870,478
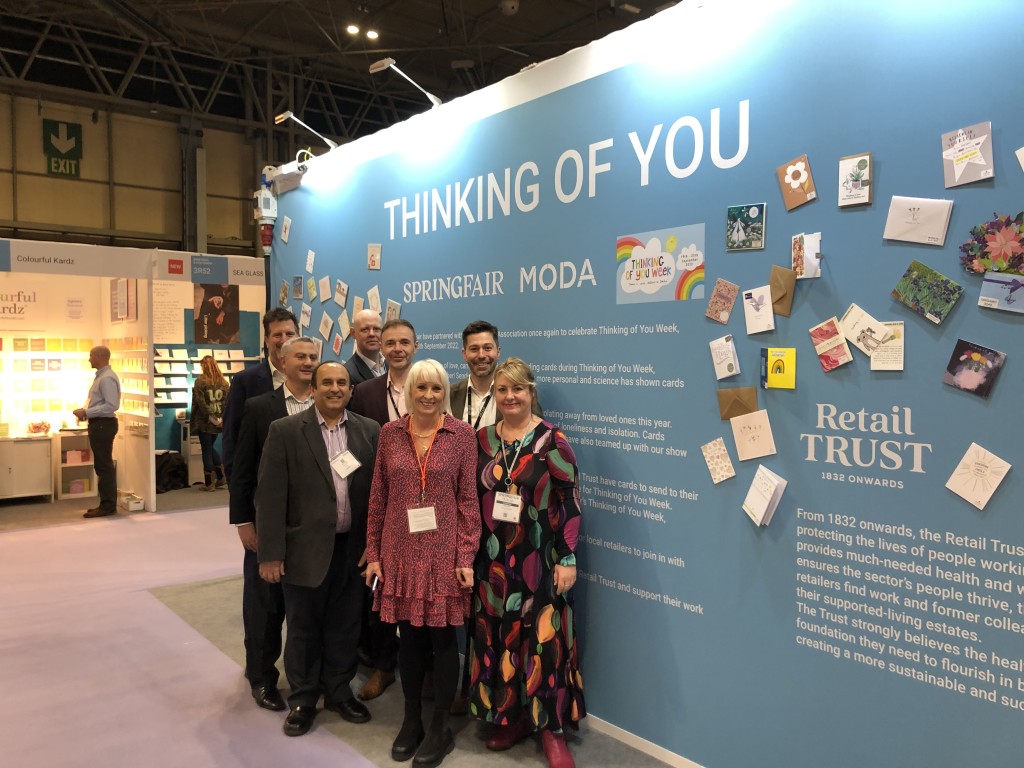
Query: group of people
374,495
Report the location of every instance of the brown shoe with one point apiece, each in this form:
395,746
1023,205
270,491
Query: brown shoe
375,684
99,512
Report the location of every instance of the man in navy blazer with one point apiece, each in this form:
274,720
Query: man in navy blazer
279,325
312,501
366,362
263,610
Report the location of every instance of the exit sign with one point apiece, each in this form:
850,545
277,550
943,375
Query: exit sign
62,146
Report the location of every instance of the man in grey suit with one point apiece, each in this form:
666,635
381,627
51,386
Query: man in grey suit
311,509
366,362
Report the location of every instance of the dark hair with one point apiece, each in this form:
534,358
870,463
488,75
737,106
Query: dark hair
396,321
316,371
479,326
277,315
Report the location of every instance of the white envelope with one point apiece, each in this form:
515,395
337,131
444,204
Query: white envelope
918,220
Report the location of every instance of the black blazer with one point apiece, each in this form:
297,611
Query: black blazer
358,370
259,412
296,504
459,393
370,399
254,380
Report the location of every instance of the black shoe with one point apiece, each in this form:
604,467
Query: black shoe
408,739
435,746
268,697
100,512
299,721
364,656
351,710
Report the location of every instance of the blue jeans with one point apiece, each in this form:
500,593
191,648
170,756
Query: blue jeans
211,459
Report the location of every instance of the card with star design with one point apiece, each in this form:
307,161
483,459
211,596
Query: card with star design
796,182
967,155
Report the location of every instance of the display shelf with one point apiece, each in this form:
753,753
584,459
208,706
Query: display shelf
67,473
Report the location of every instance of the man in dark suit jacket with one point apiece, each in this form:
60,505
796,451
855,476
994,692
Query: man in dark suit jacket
279,325
263,609
366,332
312,501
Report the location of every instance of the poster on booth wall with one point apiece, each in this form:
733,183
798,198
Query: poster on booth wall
216,309
663,265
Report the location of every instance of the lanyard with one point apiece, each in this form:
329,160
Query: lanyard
469,408
394,405
426,456
509,485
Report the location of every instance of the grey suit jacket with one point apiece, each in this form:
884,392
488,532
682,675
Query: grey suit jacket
296,505
258,414
459,393
358,370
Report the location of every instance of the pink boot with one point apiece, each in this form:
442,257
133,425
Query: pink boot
555,750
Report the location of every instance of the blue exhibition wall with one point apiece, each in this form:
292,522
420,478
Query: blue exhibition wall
879,618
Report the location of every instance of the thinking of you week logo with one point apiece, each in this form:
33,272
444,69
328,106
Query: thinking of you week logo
664,265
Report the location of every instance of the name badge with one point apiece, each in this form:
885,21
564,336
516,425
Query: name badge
422,519
345,463
507,507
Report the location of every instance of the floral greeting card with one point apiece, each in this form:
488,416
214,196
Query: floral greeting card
723,297
927,292
855,180
973,368
995,246
796,182
716,455
806,254
977,476
830,345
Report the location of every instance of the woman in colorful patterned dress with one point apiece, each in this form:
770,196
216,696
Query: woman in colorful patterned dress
423,533
526,673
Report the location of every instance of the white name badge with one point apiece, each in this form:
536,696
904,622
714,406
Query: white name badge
345,463
422,519
507,507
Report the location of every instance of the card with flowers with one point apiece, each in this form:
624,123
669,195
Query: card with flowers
973,368
927,292
796,182
995,246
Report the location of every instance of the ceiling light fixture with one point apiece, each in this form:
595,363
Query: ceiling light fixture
389,63
372,34
352,29
289,115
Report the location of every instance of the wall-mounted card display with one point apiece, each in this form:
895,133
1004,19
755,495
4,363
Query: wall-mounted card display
716,456
855,180
830,345
796,182
862,330
745,227
977,475
1001,291
724,357
757,310
927,292
373,256
778,368
723,297
764,495
967,155
918,220
753,435
888,356
973,368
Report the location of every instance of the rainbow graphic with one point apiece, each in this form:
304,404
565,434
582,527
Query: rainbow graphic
688,281
624,248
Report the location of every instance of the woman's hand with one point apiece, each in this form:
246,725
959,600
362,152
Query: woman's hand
465,577
564,577
373,571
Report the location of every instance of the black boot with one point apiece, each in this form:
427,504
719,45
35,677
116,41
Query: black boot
410,735
437,743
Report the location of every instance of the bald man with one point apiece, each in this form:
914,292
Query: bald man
366,362
101,410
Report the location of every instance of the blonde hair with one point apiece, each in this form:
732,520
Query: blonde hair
211,372
518,372
422,371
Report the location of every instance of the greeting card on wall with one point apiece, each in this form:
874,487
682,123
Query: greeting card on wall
1001,291
862,330
796,182
662,265
889,355
855,180
344,327
286,231
724,358
282,296
373,254
311,288
716,456
764,495
310,259
357,305
977,475
995,246
806,255
325,288
927,292
757,310
830,345
336,344
393,310
778,368
305,315
340,293
723,297
297,282
918,220
967,155
744,227
753,435
973,368
373,299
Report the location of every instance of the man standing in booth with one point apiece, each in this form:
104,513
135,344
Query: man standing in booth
101,410
312,500
366,362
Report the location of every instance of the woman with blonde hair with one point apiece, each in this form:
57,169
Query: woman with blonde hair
209,396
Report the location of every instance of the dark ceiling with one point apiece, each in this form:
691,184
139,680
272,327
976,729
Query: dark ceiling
243,61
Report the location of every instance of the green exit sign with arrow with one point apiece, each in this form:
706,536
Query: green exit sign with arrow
62,145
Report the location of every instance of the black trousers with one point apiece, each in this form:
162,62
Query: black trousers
262,617
323,632
102,431
378,639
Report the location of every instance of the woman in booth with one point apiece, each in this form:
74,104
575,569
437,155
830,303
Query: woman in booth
525,662
423,533
209,395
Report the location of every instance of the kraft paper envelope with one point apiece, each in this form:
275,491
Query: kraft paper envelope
783,284
737,401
